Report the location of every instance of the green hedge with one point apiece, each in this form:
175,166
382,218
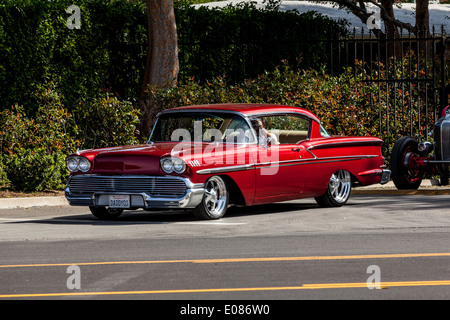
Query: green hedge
33,149
35,170
108,53
344,104
37,48
242,41
334,99
66,89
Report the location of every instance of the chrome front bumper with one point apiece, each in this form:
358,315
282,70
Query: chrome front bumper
97,194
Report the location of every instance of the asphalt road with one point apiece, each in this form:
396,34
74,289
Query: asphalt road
399,245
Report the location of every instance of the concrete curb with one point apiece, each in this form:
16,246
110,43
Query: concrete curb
395,192
14,203
426,188
388,189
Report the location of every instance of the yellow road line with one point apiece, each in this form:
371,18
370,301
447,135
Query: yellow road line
231,260
383,285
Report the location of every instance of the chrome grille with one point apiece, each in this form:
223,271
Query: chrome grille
155,186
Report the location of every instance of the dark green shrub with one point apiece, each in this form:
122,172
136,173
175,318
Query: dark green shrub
106,122
35,170
344,104
4,181
52,128
33,149
109,52
36,48
334,99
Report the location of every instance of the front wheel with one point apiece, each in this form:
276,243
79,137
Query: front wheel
406,174
215,200
104,213
338,191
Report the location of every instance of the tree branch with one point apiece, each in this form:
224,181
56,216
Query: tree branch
386,17
359,9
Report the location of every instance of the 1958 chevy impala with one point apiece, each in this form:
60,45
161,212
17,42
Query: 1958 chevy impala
208,157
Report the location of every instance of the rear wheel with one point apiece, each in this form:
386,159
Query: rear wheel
104,213
406,174
338,191
215,200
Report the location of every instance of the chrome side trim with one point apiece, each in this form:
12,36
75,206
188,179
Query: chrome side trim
315,160
284,163
315,157
226,169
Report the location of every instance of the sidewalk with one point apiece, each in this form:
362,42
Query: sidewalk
14,203
426,188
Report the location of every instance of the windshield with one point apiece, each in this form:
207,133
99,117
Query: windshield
201,127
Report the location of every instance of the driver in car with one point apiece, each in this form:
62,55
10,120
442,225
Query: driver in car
264,137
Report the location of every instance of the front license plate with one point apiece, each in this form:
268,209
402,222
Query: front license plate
119,201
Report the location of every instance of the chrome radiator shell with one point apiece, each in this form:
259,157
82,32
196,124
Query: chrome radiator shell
155,186
442,144
144,191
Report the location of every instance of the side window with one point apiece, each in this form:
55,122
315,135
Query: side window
289,129
237,131
324,132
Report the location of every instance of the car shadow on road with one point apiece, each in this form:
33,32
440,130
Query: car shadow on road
171,216
236,213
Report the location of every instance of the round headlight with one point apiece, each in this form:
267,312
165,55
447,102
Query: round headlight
72,164
167,165
179,166
84,165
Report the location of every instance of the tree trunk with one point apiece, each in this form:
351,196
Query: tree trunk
394,47
162,65
422,18
162,57
423,28
391,29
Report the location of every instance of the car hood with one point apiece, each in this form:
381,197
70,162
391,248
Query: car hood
145,159
134,159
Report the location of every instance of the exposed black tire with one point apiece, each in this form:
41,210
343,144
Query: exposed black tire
215,200
338,190
104,213
405,174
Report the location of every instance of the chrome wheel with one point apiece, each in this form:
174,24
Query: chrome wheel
215,200
340,185
216,197
338,190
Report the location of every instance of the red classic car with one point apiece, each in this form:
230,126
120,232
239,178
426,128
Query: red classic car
208,157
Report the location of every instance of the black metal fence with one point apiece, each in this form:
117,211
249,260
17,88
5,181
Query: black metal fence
405,77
